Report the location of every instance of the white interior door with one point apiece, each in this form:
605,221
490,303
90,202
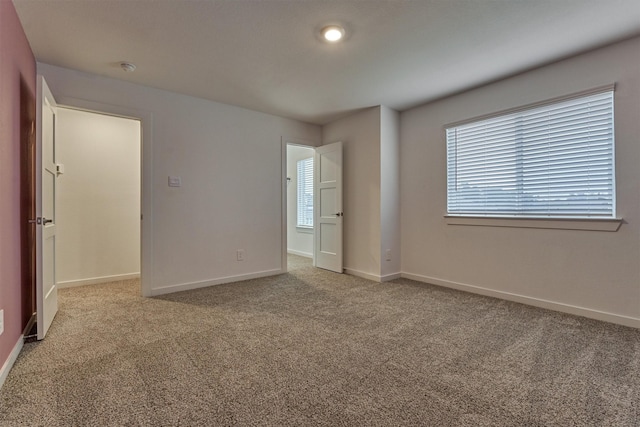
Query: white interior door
327,212
46,175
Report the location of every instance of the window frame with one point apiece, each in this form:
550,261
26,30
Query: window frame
604,223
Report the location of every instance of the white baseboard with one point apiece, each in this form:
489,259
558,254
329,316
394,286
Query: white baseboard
300,253
96,280
4,371
362,274
206,283
374,277
536,302
389,277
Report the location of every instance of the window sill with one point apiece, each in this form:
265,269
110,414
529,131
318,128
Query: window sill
587,224
308,230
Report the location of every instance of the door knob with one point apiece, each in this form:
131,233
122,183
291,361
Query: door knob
46,221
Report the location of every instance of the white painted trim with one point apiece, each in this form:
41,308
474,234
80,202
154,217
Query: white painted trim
362,274
146,175
97,280
300,253
389,277
4,371
374,277
283,205
586,224
206,283
536,302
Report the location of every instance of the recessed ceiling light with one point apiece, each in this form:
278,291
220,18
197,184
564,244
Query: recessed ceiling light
127,66
333,33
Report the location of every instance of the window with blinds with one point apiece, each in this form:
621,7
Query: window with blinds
305,192
555,160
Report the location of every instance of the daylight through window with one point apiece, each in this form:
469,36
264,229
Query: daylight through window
556,160
305,192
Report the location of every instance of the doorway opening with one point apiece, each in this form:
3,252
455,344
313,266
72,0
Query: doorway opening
48,159
299,205
98,198
321,201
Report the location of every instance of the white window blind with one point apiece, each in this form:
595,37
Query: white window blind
556,160
305,192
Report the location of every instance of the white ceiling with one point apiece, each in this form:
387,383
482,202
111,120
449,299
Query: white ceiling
266,55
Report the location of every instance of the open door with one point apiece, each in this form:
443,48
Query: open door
46,175
327,211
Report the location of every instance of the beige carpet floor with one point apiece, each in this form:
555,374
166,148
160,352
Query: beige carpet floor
316,348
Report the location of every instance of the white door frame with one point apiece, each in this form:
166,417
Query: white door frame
146,176
283,192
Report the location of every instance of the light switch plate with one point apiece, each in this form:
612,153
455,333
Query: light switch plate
1,321
175,181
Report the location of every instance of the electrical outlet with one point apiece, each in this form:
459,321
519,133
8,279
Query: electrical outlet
388,253
175,181
1,321
240,254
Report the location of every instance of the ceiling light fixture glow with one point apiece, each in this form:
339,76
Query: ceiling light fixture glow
333,33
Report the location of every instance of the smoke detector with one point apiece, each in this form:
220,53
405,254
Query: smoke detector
127,66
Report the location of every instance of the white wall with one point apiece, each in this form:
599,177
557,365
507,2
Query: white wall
371,190
229,159
98,198
299,241
360,134
389,192
587,272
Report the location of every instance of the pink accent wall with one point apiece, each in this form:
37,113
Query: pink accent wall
16,62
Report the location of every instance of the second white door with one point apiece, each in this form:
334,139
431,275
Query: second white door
46,177
328,214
